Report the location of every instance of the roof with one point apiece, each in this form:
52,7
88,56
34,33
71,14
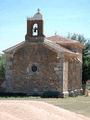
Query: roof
50,45
37,16
56,46
65,41
67,54
47,42
13,48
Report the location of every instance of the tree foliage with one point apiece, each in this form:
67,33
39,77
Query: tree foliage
2,67
86,57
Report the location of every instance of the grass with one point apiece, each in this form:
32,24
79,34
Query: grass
80,104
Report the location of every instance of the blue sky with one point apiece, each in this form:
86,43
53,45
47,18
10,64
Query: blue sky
61,16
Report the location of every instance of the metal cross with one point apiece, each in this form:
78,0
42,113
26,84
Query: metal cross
38,10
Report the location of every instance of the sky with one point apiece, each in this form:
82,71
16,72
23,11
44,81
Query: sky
60,16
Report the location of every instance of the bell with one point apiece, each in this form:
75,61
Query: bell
35,29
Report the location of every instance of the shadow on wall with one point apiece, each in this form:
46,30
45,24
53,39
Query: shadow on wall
2,85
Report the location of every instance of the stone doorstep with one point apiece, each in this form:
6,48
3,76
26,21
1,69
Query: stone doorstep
65,94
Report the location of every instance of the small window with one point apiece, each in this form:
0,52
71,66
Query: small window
34,68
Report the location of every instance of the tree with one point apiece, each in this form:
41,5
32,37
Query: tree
86,57
86,64
2,67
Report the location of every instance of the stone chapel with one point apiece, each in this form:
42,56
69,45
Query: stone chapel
41,63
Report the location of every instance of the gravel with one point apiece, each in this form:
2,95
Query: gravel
35,110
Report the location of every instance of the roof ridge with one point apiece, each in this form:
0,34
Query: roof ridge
13,47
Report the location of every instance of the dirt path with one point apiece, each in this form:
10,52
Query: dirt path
34,110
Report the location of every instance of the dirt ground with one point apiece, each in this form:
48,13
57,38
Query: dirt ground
34,110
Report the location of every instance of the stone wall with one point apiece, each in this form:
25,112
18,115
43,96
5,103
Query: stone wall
48,76
52,72
8,72
74,75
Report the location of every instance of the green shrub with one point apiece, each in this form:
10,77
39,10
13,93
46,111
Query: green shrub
2,67
2,71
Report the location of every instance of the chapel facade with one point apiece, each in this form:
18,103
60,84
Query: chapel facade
41,63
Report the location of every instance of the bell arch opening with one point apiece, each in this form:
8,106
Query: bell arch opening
35,30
